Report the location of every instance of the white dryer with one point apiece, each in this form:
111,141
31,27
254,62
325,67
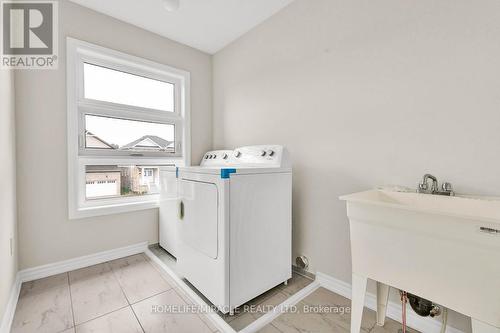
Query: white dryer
234,227
169,200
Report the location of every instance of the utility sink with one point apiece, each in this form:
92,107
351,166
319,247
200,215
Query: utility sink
445,249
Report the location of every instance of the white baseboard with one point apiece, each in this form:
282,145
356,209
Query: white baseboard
39,272
10,308
421,324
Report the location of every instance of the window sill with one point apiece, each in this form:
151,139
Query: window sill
111,209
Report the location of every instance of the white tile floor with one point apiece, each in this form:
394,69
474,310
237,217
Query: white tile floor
115,296
322,321
119,296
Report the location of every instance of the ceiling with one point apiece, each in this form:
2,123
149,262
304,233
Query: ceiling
207,25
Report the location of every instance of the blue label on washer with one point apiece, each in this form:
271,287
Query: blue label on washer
225,173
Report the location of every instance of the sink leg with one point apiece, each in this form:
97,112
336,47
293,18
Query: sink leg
481,327
382,299
358,301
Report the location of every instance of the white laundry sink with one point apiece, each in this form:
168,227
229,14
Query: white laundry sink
445,249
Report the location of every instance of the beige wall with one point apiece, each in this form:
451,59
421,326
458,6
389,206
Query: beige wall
365,93
46,234
8,225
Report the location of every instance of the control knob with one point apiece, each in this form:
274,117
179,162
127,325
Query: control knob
237,154
270,152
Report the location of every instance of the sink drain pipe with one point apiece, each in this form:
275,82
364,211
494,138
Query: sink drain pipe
423,308
445,320
404,299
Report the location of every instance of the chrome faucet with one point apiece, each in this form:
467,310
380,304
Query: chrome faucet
423,187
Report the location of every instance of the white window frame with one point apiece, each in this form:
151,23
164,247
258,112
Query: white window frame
78,53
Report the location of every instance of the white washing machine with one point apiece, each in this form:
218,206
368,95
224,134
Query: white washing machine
235,223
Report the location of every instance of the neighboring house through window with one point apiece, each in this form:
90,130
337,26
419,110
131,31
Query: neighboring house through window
102,181
127,116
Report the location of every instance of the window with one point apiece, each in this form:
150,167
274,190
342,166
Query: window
113,181
127,117
108,85
128,135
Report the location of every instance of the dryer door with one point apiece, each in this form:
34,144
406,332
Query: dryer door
199,216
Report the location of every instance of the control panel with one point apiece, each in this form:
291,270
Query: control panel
261,156
216,158
249,156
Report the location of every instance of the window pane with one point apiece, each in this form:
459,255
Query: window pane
109,85
128,135
111,181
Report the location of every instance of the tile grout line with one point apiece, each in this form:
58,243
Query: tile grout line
100,316
125,295
118,281
107,313
137,318
161,292
126,298
123,290
71,301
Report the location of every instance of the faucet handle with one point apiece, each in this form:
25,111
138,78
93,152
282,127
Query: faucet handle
423,187
447,187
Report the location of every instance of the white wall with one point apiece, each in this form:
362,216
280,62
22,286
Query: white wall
8,224
365,93
46,234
